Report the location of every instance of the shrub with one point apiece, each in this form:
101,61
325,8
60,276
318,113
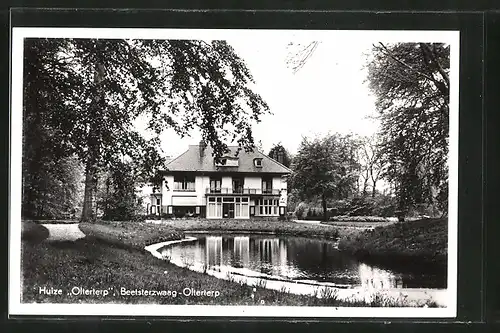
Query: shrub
286,217
139,218
300,210
380,205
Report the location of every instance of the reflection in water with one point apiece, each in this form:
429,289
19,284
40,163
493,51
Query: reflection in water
213,250
294,259
376,278
241,251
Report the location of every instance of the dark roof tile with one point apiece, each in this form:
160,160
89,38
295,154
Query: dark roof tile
191,160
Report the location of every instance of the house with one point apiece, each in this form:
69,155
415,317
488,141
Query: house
239,185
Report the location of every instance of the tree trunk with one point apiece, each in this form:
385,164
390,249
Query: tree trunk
106,209
374,189
88,200
365,186
93,144
325,212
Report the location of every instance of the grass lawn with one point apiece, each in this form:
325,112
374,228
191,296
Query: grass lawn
112,258
136,235
422,242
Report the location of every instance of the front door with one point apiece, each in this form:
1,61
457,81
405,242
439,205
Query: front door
228,210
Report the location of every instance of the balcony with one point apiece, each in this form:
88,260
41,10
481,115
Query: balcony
229,190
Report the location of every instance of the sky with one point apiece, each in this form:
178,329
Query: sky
328,94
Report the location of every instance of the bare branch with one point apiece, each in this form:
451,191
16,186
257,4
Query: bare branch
389,53
436,62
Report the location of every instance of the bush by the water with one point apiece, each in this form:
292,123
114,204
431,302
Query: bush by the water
367,208
378,206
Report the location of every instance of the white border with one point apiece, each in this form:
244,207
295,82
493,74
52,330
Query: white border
18,308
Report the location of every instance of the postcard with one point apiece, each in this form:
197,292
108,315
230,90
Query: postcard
234,173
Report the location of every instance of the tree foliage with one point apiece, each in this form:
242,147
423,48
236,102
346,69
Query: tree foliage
279,153
92,91
411,84
51,173
372,164
325,168
53,190
119,199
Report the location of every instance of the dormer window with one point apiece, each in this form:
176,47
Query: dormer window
227,162
258,162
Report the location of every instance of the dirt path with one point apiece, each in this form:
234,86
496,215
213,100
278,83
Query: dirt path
63,232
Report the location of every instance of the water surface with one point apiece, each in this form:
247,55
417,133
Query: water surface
296,259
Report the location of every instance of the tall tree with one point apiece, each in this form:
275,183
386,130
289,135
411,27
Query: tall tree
411,84
325,168
98,88
51,175
371,163
279,153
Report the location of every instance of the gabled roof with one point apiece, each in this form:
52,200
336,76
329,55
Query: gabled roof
191,160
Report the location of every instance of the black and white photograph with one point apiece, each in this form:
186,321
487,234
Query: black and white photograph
234,173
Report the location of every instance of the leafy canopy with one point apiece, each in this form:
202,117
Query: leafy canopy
411,84
325,167
98,88
279,153
83,98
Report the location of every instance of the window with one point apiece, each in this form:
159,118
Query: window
240,205
258,162
215,185
214,207
184,183
227,161
267,207
156,206
238,185
267,185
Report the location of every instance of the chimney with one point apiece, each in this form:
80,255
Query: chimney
202,147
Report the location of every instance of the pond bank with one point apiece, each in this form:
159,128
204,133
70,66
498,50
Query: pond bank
422,242
270,226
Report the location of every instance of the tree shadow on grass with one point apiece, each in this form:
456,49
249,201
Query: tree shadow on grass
33,232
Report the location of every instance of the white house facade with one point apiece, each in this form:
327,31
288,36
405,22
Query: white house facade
239,185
